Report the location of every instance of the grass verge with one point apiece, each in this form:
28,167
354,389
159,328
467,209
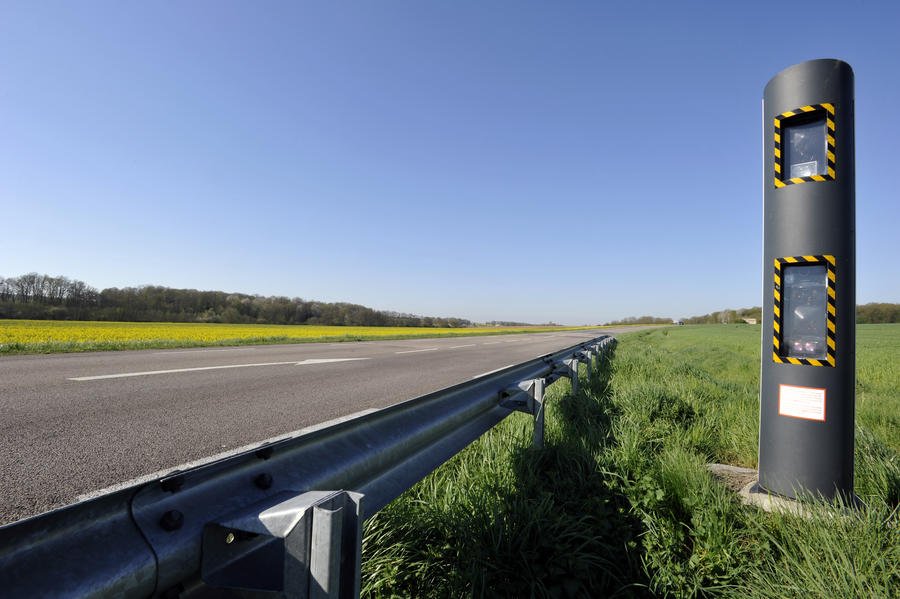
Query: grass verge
620,502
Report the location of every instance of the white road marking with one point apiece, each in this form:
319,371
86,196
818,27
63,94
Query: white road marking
478,376
327,360
492,343
510,341
459,346
415,351
203,351
198,369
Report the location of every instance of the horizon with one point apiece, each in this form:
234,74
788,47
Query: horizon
623,320
512,163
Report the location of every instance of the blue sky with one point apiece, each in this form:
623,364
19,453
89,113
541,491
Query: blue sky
533,161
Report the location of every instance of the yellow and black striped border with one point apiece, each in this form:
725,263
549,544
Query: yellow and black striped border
828,110
828,261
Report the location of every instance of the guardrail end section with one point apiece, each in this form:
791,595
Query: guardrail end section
294,546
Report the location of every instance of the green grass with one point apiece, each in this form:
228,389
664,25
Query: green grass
620,503
878,381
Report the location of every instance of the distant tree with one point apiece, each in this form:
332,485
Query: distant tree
878,313
873,313
642,320
37,296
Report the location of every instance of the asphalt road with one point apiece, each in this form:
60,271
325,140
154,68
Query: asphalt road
71,424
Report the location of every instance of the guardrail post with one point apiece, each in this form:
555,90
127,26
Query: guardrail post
304,546
573,368
589,360
325,562
537,392
533,389
602,349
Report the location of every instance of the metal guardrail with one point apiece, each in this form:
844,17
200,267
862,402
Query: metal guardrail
280,520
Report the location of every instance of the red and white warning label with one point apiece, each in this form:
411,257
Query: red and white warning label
801,402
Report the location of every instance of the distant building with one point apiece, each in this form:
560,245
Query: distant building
749,320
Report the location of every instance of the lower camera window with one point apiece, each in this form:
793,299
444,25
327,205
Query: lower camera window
804,315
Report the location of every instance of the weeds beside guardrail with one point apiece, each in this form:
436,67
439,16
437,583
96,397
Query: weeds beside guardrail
620,502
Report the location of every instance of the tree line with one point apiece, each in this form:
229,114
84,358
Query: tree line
874,313
43,297
641,320
727,316
877,313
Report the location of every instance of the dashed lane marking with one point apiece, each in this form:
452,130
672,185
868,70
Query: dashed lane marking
123,375
203,351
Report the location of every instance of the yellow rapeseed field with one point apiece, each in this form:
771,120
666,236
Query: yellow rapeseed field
41,336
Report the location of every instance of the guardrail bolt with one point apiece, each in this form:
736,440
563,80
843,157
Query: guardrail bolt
265,453
263,480
172,520
229,538
172,484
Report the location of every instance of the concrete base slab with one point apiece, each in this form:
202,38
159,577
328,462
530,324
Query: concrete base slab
745,482
753,494
733,477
